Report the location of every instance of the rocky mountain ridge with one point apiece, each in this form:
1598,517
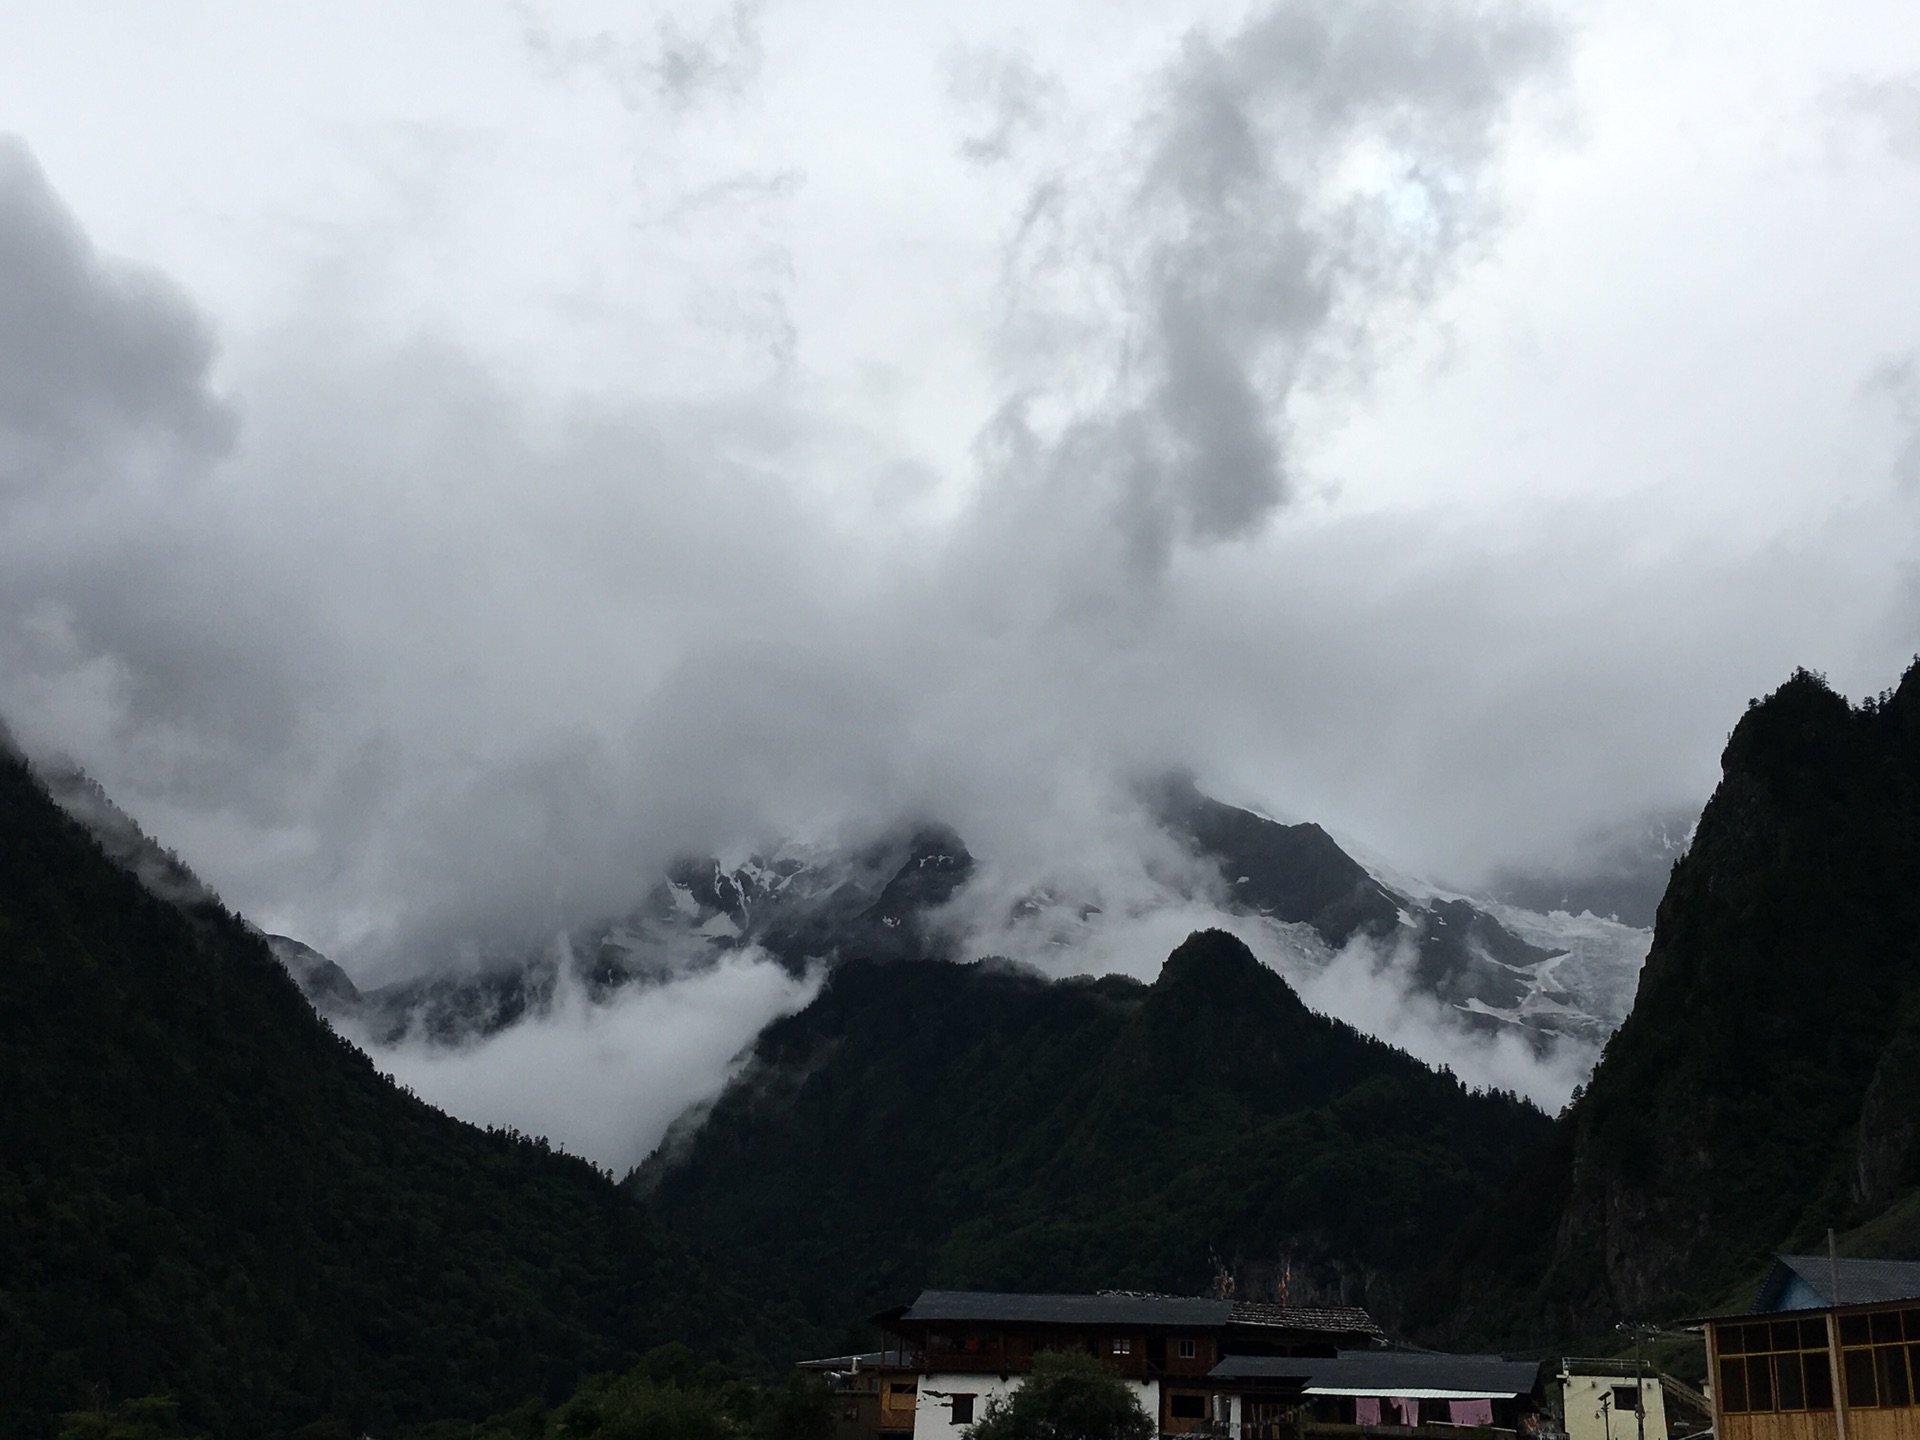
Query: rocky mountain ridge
1550,978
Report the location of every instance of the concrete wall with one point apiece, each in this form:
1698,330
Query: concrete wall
1582,1397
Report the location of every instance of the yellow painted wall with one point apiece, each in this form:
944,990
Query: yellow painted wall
1581,1395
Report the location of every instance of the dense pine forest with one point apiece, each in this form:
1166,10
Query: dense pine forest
976,1126
206,1193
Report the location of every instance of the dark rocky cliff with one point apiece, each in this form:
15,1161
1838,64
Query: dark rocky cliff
1761,1090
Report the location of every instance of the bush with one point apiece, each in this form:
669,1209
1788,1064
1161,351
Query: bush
636,1407
1069,1396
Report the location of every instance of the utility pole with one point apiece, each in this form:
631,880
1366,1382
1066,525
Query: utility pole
1639,1390
1640,1333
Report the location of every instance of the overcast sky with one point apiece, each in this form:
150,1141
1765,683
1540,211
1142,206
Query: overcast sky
455,455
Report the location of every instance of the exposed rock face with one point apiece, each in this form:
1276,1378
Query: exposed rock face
1761,1090
1547,978
799,906
1887,1161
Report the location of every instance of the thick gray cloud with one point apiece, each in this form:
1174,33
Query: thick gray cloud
431,660
93,356
1293,184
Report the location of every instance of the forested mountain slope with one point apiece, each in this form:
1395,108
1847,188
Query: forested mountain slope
1763,1089
204,1191
976,1125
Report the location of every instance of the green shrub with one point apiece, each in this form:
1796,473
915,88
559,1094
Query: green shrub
1069,1396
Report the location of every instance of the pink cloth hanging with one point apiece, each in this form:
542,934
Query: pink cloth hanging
1472,1412
1406,1412
1366,1410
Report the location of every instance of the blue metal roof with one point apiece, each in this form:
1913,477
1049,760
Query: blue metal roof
1806,1282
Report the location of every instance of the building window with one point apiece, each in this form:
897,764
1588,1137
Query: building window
1187,1407
1881,1358
1772,1365
1123,1346
1187,1349
963,1409
1626,1399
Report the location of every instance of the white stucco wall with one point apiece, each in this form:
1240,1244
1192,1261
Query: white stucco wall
933,1413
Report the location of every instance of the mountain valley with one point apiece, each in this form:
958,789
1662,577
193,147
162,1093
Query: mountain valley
206,1192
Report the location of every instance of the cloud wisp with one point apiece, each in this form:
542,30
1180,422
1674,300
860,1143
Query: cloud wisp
605,1081
423,655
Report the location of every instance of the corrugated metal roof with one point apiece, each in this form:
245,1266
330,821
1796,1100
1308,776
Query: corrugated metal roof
1321,1319
1388,1372
979,1306
1861,1282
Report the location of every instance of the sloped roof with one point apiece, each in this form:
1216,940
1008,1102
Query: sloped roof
1861,1282
980,1306
1320,1319
865,1360
1389,1372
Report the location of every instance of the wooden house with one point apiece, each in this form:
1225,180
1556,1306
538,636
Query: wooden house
874,1394
974,1346
1368,1391
1830,1350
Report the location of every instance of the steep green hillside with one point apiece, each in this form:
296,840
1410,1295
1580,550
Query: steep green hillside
975,1125
1763,1088
204,1191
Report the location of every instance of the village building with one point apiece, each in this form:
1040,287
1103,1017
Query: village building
1282,1398
1621,1400
1830,1350
975,1346
1199,1366
874,1394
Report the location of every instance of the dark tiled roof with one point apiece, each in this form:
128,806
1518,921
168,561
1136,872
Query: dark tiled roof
937,1306
1321,1319
1388,1372
1862,1282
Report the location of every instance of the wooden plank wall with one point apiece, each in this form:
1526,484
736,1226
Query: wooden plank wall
1792,1425
1902,1423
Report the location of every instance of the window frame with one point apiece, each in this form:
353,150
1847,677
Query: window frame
1880,1359
1774,1367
